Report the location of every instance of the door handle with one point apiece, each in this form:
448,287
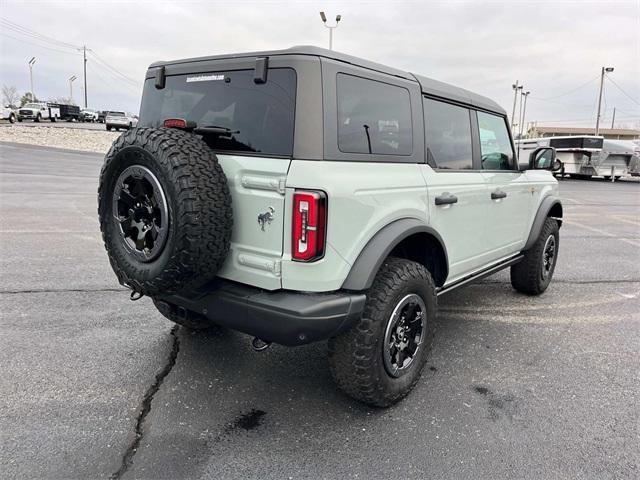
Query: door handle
446,199
498,194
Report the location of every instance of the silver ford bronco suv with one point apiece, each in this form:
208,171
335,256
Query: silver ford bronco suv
303,195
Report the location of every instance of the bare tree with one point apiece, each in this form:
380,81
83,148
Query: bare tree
10,96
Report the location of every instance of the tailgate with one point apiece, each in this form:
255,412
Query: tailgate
257,186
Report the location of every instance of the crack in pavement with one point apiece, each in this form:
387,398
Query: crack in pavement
145,406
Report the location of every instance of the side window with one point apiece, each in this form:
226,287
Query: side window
495,146
448,135
373,117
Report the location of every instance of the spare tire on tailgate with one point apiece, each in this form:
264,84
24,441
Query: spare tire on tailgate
165,210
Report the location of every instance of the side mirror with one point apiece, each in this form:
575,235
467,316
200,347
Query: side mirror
544,158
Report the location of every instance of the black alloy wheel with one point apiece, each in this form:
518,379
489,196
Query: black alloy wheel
140,209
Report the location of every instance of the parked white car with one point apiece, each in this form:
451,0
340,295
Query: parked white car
8,114
120,120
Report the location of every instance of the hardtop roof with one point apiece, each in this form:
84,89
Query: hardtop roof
428,85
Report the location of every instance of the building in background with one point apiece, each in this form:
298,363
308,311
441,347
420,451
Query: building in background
537,131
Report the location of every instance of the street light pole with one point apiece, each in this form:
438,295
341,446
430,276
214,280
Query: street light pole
71,79
31,64
84,52
324,22
520,114
613,120
515,87
604,70
524,112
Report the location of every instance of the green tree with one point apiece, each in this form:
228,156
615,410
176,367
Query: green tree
27,98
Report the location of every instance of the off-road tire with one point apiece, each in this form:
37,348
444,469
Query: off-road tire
527,275
356,356
187,318
198,203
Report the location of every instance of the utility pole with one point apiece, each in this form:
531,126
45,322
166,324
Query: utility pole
31,64
524,111
520,113
84,53
613,120
324,22
515,87
607,70
71,79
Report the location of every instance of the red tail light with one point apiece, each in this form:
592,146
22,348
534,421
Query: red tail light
309,225
175,123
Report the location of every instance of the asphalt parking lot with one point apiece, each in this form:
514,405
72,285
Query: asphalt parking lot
516,387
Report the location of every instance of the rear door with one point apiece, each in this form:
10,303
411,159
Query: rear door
510,195
255,152
458,198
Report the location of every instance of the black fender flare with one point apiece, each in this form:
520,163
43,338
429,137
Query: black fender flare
543,212
366,266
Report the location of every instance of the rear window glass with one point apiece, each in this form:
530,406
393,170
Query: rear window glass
260,117
373,117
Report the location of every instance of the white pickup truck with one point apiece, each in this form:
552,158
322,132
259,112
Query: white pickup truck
38,112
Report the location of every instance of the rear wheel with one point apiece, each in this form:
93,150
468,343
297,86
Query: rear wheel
108,128
382,357
535,271
12,118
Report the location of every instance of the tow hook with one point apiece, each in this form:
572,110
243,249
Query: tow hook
259,345
135,296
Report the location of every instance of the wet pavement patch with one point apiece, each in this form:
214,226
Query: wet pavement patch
481,390
247,421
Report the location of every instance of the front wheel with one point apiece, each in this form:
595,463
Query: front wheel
38,118
380,359
534,272
12,118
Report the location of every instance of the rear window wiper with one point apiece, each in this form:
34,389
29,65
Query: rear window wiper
215,130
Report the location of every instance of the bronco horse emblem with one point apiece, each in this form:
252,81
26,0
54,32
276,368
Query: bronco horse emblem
266,218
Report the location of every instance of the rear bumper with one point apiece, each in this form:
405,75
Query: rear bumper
282,316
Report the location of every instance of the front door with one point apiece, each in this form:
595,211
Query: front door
510,196
458,195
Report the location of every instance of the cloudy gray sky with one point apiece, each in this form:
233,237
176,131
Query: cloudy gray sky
556,48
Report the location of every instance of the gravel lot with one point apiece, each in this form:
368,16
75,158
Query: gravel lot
72,136
516,387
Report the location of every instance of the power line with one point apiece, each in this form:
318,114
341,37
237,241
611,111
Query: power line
570,91
37,44
105,81
33,34
113,69
620,88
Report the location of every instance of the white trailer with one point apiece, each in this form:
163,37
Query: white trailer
585,156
